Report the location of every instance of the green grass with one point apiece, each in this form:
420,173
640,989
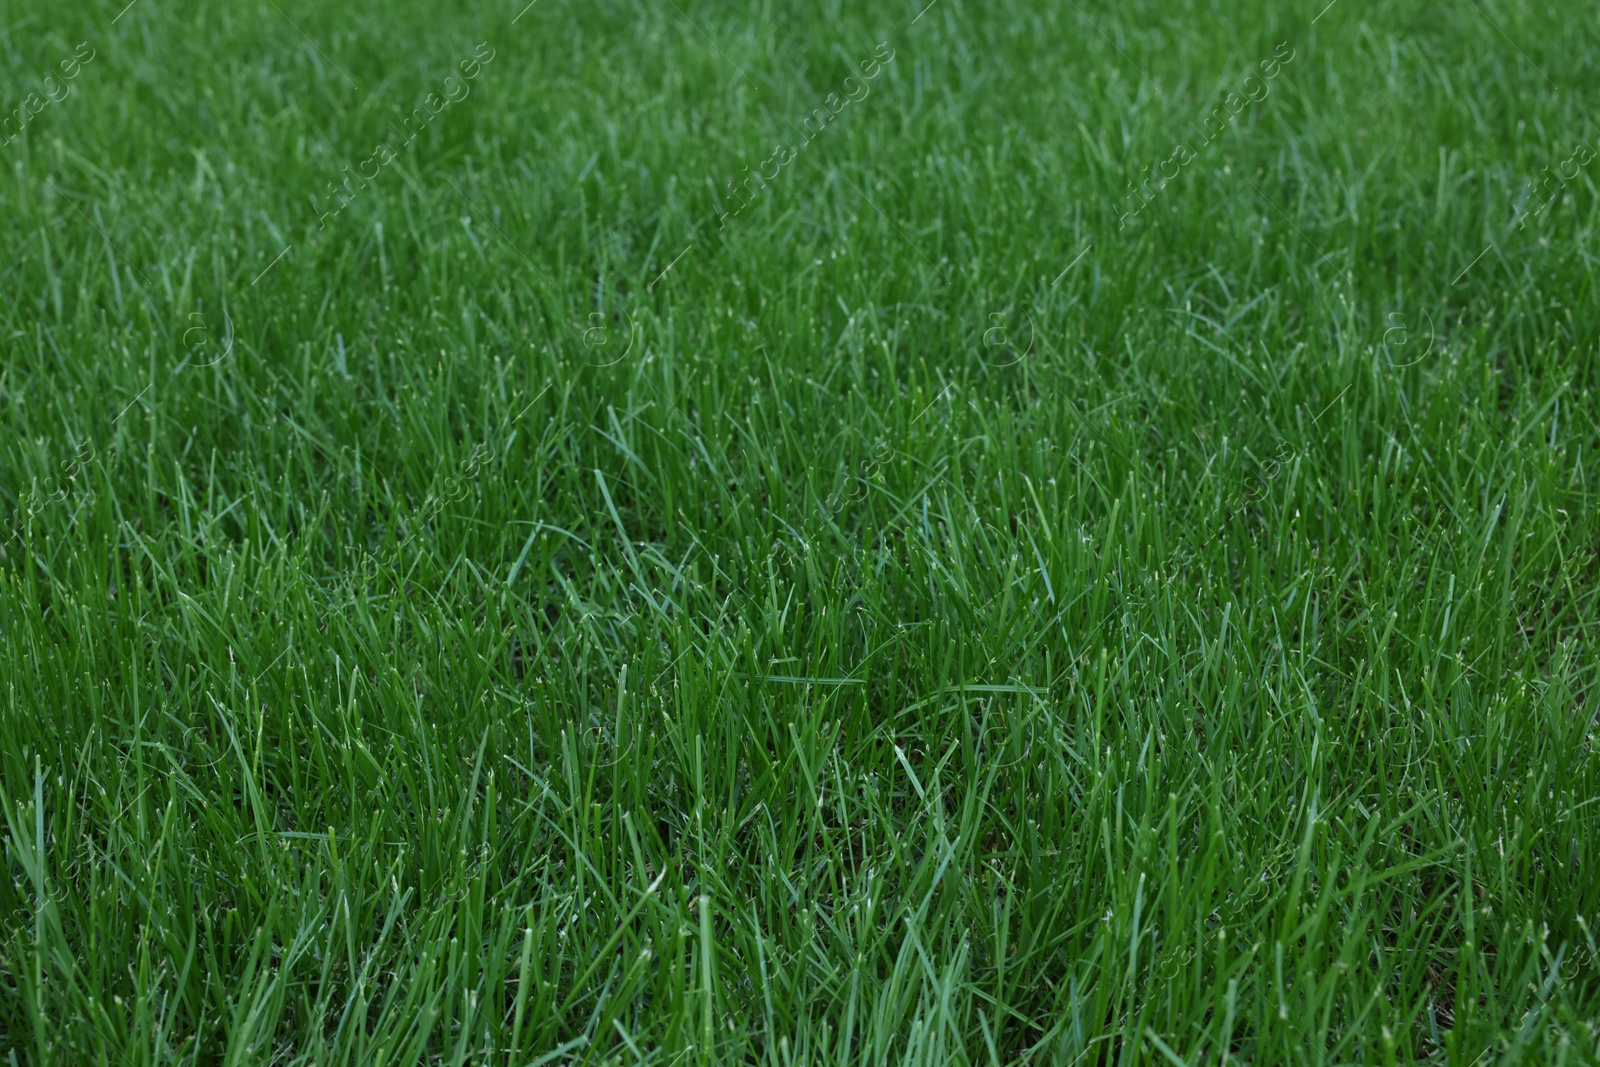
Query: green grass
527,617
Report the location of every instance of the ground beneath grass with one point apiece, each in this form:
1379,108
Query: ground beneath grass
674,532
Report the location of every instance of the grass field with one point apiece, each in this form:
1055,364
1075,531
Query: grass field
677,532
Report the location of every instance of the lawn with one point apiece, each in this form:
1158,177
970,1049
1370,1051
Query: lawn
677,532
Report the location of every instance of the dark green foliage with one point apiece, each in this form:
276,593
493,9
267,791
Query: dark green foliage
522,619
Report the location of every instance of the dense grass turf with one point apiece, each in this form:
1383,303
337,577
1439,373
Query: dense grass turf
953,602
